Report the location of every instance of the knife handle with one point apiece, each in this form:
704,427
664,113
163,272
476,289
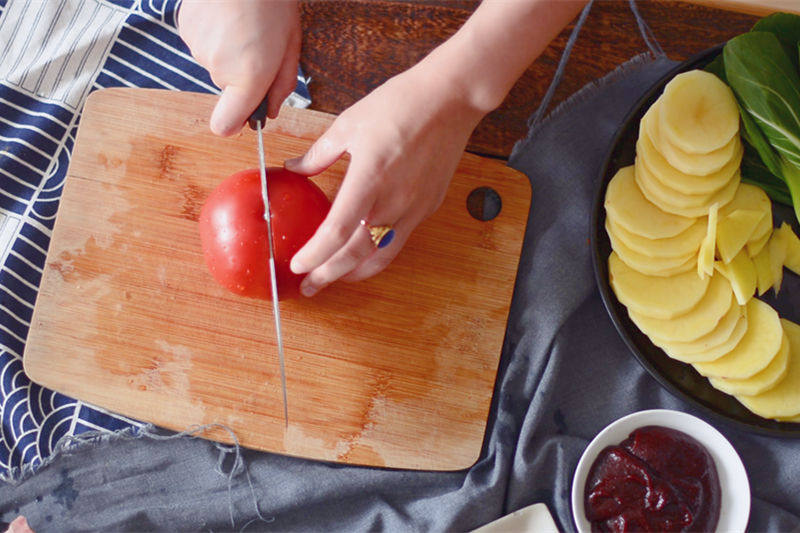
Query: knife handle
259,114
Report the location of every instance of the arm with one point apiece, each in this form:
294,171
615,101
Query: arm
496,45
406,138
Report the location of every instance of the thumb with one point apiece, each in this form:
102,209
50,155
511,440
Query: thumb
234,107
322,154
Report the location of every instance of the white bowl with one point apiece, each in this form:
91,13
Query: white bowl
735,498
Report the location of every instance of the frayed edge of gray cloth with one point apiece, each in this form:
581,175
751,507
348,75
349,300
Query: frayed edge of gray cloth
582,94
70,444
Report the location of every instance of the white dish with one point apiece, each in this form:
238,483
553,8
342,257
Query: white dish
735,487
531,519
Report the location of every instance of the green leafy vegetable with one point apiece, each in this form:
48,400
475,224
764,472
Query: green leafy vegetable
754,171
767,86
717,67
756,140
760,164
786,28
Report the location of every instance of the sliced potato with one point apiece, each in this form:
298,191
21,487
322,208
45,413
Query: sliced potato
741,272
697,164
683,244
756,244
763,381
663,192
699,113
783,400
653,296
680,181
721,340
705,258
652,266
763,271
792,261
699,321
681,204
752,198
777,256
734,230
627,207
755,351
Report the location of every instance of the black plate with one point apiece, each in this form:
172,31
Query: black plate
678,378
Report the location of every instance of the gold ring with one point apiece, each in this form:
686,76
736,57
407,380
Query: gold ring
381,235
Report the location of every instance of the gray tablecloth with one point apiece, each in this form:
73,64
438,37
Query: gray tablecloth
564,375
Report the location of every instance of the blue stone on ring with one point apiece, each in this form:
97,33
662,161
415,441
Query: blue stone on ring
386,239
381,236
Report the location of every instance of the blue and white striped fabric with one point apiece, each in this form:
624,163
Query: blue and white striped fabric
53,53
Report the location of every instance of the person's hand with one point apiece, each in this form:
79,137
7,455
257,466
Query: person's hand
404,140
251,48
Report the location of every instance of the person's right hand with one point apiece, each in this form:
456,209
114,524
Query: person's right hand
251,48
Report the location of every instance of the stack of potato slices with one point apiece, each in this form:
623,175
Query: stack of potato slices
692,245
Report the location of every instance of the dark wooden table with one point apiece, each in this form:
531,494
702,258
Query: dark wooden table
352,46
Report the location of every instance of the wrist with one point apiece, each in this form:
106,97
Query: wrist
487,55
468,72
467,81
441,87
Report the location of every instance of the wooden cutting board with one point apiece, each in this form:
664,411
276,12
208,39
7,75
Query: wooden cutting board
394,371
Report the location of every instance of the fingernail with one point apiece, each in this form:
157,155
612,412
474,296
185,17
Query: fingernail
221,128
216,124
307,290
293,162
297,267
220,123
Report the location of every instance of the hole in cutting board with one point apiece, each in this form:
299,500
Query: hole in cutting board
484,203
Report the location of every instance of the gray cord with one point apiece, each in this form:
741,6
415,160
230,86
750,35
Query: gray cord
647,33
644,30
562,65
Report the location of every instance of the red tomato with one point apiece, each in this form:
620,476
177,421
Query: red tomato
233,231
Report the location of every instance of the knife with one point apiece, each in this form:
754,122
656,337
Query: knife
256,121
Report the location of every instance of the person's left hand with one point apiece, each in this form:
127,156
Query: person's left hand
405,140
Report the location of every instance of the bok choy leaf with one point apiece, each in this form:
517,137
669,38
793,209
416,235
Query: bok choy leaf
767,86
756,172
786,28
760,164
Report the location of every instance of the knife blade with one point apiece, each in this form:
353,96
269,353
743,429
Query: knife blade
256,122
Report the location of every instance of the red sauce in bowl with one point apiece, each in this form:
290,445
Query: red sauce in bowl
658,479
